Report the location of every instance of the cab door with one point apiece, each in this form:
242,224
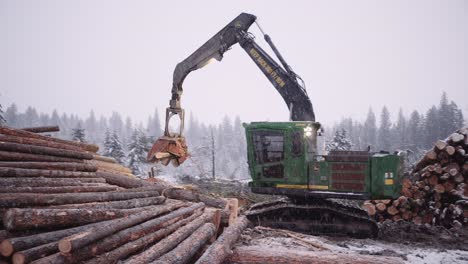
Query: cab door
268,148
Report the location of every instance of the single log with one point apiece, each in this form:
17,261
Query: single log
18,156
41,129
258,254
34,253
429,158
26,199
63,166
459,178
17,172
125,181
189,195
40,181
22,133
139,244
15,147
104,158
370,208
381,207
450,150
59,189
433,180
440,144
126,235
456,138
43,218
10,245
125,204
101,169
439,188
74,242
392,210
189,247
109,166
38,142
170,241
221,248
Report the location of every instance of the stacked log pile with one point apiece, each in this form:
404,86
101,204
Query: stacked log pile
438,191
58,206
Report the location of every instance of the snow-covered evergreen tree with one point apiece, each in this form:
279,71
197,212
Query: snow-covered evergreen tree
384,130
138,150
113,147
78,133
339,141
370,130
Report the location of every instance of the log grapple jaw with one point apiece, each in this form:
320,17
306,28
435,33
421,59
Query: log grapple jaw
171,147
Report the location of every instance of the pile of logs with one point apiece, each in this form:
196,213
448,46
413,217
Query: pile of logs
60,204
437,192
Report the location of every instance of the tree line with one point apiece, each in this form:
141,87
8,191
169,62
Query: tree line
415,132
220,149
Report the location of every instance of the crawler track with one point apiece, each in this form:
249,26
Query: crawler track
318,216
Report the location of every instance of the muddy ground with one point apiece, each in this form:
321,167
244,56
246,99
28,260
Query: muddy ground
410,242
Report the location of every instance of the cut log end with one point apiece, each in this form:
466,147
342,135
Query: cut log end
6,248
65,246
18,258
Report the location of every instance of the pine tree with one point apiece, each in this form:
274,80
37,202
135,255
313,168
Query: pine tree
400,137
384,130
78,133
414,131
154,125
339,141
431,127
113,147
11,115
370,130
138,150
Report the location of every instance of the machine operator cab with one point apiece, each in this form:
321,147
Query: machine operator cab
289,158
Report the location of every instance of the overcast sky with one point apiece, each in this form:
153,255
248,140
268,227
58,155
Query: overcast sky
75,56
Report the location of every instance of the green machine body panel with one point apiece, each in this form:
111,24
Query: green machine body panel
283,159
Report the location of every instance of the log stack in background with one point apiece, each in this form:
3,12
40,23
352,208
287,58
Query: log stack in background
60,202
437,192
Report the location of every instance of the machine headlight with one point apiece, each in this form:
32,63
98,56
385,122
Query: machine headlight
308,131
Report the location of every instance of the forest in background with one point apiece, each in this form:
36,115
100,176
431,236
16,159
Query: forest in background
128,142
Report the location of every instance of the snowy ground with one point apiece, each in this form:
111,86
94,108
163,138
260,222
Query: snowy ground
408,252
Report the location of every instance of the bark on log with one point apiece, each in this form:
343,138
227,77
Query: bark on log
60,189
10,245
18,156
74,242
26,199
189,247
257,254
125,181
370,208
34,253
15,147
29,218
125,204
41,129
63,166
139,244
127,235
17,172
22,133
38,142
104,158
428,158
55,182
440,144
221,248
110,166
189,195
170,241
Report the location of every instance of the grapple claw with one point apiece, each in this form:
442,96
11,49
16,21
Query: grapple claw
169,149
